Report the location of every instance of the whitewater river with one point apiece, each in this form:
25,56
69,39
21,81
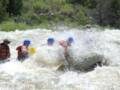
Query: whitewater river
39,72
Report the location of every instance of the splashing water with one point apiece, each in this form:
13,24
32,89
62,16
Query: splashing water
39,71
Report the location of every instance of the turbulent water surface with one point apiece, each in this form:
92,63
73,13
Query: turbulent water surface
39,72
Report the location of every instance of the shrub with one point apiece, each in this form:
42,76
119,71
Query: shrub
40,6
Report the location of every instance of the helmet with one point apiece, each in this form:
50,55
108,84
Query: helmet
70,40
50,41
27,42
6,41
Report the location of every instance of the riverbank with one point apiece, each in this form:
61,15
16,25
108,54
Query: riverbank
22,14
12,26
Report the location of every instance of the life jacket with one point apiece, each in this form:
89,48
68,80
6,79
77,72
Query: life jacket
4,51
22,51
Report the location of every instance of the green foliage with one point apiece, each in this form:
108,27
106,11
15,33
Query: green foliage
107,13
67,8
3,13
10,26
45,13
14,7
77,1
115,13
40,6
81,17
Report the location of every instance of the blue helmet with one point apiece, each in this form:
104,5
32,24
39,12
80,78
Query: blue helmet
27,42
50,41
70,40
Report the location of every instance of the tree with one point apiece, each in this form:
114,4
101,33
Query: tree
101,12
14,7
86,3
3,12
115,13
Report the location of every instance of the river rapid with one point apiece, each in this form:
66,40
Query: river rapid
39,72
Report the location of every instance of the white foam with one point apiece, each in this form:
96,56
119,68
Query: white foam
31,75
